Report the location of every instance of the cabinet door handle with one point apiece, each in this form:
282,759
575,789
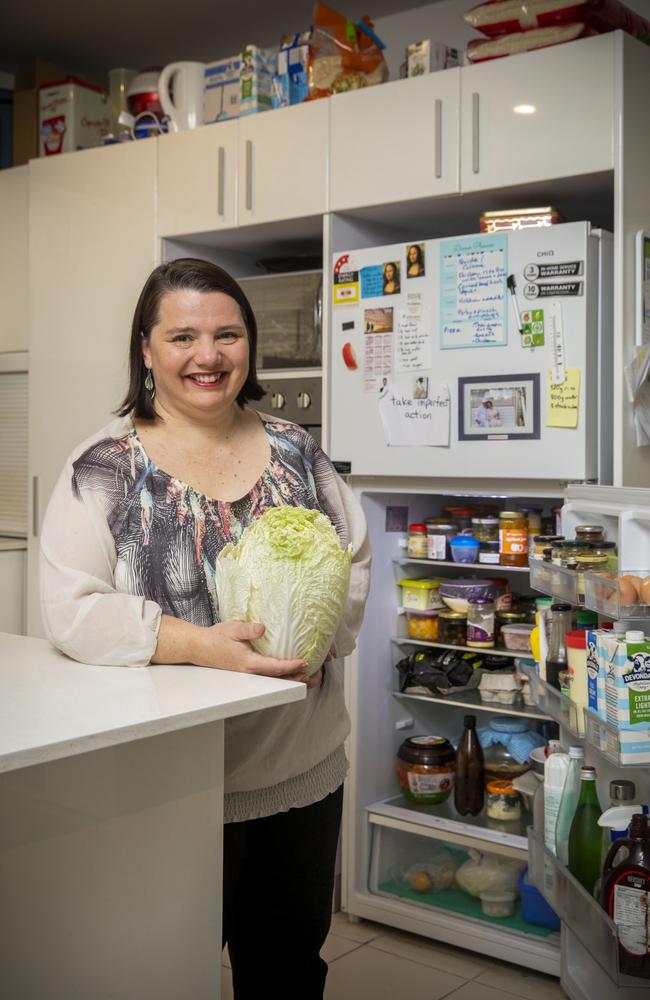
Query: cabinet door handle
35,506
475,132
438,138
221,190
249,175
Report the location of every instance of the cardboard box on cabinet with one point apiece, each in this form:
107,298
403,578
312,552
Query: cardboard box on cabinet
27,83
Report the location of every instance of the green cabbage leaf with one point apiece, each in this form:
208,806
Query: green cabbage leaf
289,572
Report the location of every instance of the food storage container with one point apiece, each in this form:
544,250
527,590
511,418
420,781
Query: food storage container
534,908
420,595
503,596
480,622
486,529
456,593
452,628
501,688
464,549
506,618
513,538
488,553
517,637
422,625
425,768
498,904
439,534
416,544
503,801
541,542
499,763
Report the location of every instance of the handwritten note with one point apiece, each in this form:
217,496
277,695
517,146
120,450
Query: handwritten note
473,292
564,400
412,418
372,282
413,347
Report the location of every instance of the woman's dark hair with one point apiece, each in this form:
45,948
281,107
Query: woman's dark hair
184,274
418,250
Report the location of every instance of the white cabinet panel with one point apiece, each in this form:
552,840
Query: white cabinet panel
569,132
14,185
197,180
283,160
395,142
92,248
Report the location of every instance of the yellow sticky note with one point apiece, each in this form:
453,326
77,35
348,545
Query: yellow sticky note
564,400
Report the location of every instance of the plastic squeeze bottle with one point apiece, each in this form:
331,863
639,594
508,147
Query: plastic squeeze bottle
585,837
626,896
469,784
568,803
556,769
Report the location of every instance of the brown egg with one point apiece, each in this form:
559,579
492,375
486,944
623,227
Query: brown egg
629,591
421,881
645,590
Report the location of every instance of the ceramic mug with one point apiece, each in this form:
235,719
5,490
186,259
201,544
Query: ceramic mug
186,108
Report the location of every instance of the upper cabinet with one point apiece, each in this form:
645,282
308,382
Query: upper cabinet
197,180
538,116
283,161
395,142
14,194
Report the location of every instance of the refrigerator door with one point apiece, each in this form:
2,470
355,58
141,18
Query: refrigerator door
443,358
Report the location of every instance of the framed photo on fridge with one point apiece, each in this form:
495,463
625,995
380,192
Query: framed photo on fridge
499,407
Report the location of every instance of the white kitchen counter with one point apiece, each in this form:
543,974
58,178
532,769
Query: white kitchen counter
111,823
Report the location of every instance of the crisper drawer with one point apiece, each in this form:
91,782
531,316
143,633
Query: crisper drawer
420,870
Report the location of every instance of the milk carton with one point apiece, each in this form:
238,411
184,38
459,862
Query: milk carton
221,94
256,80
628,697
72,115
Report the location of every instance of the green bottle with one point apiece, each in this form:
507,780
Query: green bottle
585,836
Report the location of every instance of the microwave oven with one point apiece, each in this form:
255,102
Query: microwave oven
288,309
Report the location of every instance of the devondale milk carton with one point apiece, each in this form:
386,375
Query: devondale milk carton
72,115
627,689
256,80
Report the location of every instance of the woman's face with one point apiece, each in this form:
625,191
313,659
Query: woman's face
198,352
389,272
413,255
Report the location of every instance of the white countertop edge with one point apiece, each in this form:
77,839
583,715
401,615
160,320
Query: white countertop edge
13,761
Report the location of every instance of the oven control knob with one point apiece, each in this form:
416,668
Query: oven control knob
304,400
278,401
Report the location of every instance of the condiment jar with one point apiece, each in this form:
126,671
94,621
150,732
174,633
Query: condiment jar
425,768
452,628
557,552
502,618
513,538
541,542
488,553
534,518
416,545
590,533
608,549
486,529
480,623
503,802
439,534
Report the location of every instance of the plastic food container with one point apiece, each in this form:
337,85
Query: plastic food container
425,768
457,593
420,595
502,689
517,637
422,625
464,549
534,908
498,904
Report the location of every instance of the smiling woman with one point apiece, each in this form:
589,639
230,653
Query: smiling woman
129,546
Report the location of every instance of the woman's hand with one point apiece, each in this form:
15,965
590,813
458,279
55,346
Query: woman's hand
226,646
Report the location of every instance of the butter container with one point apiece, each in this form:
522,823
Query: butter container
420,595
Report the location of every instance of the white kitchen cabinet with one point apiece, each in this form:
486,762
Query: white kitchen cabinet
569,131
197,180
14,185
92,247
395,142
283,163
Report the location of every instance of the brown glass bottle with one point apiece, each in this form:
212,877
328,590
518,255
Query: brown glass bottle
469,784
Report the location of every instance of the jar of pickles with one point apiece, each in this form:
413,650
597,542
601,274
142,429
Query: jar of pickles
541,542
589,563
416,544
513,538
502,618
452,628
608,549
486,529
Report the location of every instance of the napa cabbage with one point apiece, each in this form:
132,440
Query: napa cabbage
289,572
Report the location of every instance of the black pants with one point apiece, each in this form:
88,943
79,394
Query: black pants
278,875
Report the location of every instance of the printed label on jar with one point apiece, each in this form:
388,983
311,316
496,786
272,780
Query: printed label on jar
430,784
436,546
477,634
417,547
513,541
631,917
489,557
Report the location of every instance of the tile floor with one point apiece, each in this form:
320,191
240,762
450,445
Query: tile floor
369,961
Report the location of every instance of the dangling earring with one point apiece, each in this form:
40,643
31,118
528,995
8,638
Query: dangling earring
148,384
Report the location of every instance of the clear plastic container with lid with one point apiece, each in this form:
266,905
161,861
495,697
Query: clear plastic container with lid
513,538
416,544
420,595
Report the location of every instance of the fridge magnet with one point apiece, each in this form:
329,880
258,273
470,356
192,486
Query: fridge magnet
410,420
378,320
349,357
532,328
552,290
473,292
372,282
415,260
558,269
391,282
345,281
564,400
412,345
499,407
414,303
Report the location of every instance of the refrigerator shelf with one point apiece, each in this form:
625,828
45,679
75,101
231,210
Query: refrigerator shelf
606,739
582,914
403,640
442,822
468,568
472,699
556,581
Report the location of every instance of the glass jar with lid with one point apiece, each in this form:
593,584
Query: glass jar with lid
608,549
573,549
589,562
502,740
480,623
452,628
440,532
486,529
502,618
541,542
503,801
534,518
425,768
462,516
557,553
590,533
416,544
513,538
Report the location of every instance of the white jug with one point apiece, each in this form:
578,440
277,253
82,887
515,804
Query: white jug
186,109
